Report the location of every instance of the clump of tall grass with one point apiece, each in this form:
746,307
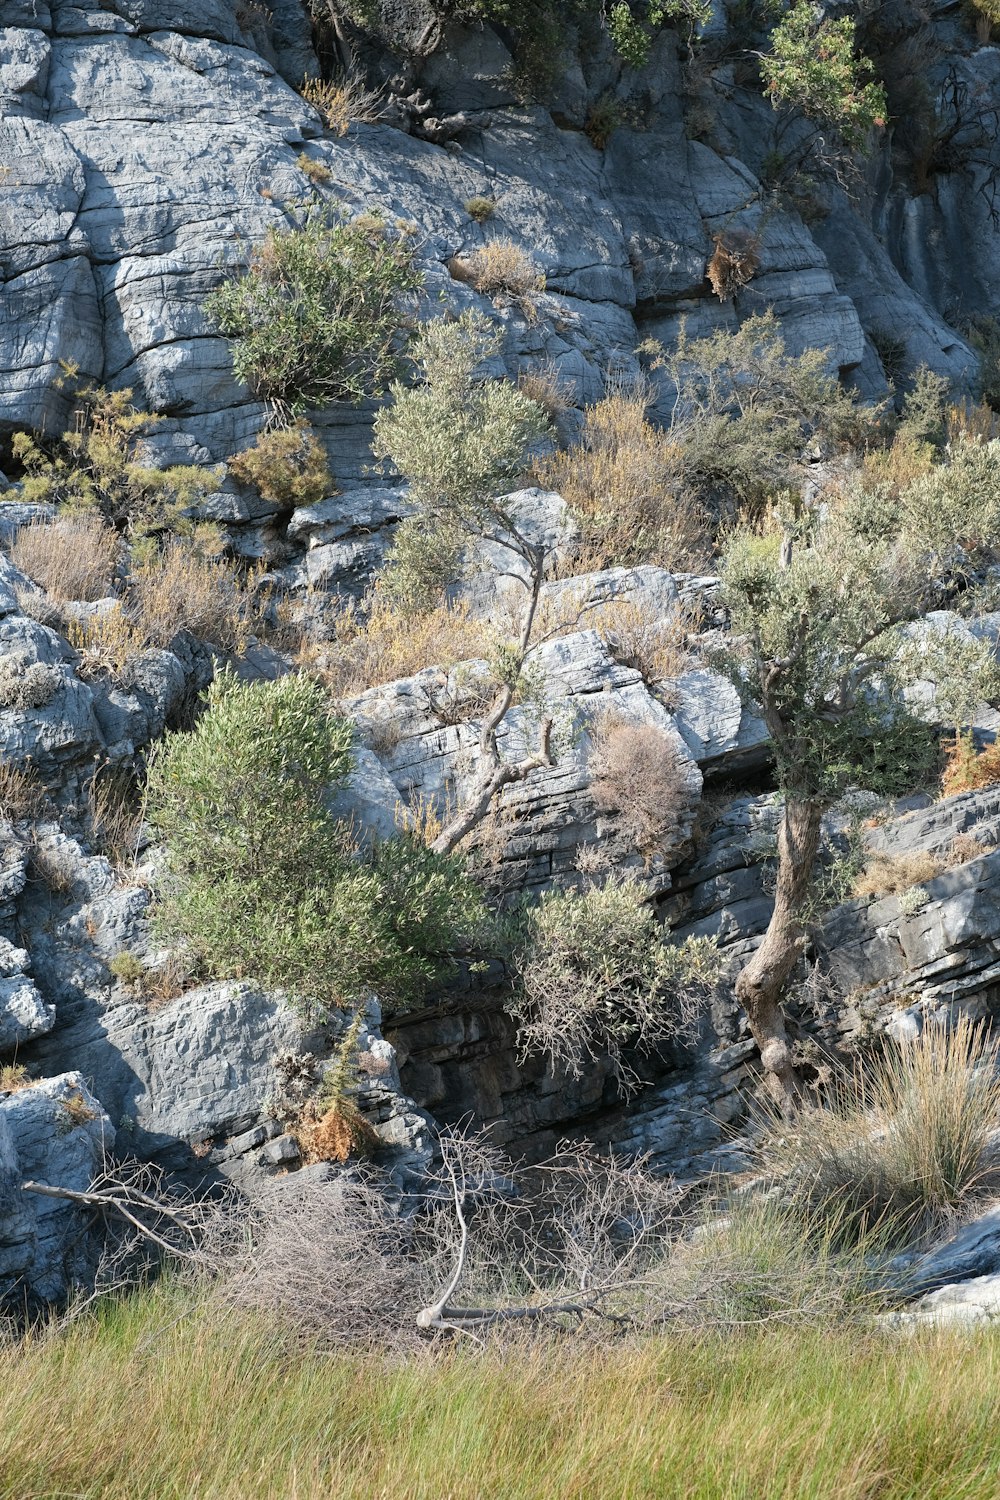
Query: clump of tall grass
902,1143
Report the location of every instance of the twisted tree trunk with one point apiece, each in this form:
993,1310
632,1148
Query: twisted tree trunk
760,986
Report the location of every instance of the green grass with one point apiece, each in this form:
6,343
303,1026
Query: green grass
148,1399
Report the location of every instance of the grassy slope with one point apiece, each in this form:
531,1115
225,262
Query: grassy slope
143,1401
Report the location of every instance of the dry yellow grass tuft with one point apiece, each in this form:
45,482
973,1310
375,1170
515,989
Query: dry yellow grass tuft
638,636
342,101
636,778
501,270
890,874
380,645
625,484
74,558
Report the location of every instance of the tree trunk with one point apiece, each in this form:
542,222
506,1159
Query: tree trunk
760,986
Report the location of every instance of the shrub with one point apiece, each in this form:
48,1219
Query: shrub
903,1143
74,558
25,684
462,443
317,315
812,67
595,976
636,777
603,119
341,101
625,484
967,769
266,883
504,272
97,465
286,465
745,410
480,208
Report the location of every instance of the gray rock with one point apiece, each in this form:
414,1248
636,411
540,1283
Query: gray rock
53,1132
23,1013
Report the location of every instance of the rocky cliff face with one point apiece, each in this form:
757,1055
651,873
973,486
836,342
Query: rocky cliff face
144,148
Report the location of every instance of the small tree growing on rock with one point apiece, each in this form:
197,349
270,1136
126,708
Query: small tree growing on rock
462,443
817,606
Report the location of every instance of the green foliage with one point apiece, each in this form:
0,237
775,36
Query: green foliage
480,208
813,67
923,417
266,883
286,465
318,314
818,605
96,465
746,408
596,976
462,443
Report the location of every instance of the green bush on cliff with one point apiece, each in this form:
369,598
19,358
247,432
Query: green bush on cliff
317,315
266,884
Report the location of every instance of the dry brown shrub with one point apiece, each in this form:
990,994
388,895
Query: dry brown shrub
27,684
975,421
326,1258
967,769
543,386
22,794
734,261
638,636
625,484
964,848
74,558
379,645
890,874
335,1134
500,269
636,777
897,466
339,102
182,589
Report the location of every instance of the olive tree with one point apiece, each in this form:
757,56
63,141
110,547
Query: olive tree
818,607
462,442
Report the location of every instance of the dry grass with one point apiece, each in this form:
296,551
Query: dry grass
480,208
625,485
115,811
904,1142
890,874
182,589
379,645
504,272
543,386
638,636
977,422
967,769
341,102
899,465
14,1077
75,558
733,263
636,779
177,588
23,797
